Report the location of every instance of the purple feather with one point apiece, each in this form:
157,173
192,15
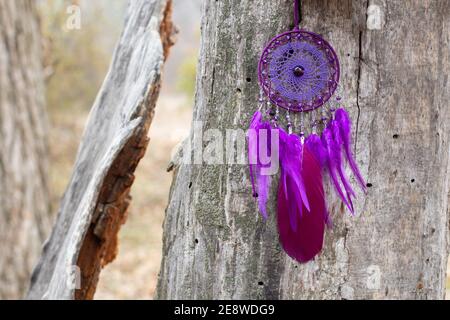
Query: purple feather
253,146
337,154
344,124
291,151
259,140
291,163
329,145
263,192
315,145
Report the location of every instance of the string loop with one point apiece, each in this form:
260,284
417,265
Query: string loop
297,14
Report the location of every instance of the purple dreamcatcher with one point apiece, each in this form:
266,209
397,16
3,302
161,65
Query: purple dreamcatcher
299,72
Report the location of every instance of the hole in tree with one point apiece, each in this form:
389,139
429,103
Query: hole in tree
260,283
249,79
412,180
190,184
369,185
239,90
196,240
395,136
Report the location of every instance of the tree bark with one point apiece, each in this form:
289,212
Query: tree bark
95,203
395,63
24,201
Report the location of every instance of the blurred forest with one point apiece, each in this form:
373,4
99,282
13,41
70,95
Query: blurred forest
76,62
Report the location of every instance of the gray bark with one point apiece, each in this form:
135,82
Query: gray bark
395,64
95,203
24,201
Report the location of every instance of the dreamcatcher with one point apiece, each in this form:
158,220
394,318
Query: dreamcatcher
299,72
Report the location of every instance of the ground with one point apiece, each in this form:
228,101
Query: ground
133,275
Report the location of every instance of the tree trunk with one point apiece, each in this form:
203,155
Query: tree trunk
95,203
395,63
24,201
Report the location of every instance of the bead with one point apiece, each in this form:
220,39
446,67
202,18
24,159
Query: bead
299,71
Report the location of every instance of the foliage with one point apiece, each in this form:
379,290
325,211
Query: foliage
187,74
76,60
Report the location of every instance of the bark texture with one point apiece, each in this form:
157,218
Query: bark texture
95,203
24,201
395,64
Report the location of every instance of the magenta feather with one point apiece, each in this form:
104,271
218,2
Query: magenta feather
344,124
314,144
305,241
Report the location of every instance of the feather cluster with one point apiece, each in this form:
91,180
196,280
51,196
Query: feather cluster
301,209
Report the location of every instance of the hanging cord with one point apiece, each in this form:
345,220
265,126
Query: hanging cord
297,14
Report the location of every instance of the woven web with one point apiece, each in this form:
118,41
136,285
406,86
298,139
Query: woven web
316,59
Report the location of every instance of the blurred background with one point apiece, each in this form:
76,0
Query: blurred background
75,69
76,63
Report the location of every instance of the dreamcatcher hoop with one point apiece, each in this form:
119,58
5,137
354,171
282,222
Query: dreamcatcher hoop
298,70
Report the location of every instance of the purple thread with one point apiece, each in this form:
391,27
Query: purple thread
296,14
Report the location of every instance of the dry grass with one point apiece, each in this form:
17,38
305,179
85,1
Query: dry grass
133,274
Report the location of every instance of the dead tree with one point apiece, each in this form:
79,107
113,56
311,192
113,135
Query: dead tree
395,65
24,201
95,203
